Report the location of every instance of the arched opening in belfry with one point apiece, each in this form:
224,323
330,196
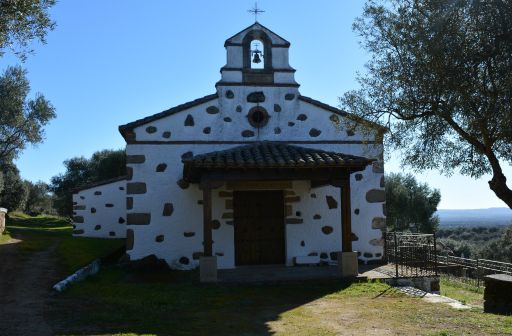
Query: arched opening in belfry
257,54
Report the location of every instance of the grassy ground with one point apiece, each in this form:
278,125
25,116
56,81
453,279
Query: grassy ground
466,293
119,302
42,232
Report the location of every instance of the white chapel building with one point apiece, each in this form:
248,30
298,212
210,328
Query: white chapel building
253,174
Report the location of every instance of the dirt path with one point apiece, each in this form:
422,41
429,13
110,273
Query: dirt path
25,290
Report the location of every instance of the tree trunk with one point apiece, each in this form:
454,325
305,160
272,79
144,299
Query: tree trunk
498,183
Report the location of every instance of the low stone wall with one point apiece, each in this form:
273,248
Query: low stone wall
3,212
498,294
426,284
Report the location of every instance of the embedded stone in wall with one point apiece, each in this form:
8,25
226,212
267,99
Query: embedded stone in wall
378,167
93,210
230,94
200,202
377,242
289,193
225,194
353,237
212,109
293,221
129,239
331,202
313,254
109,205
313,195
289,96
219,254
317,216
161,167
135,158
189,234
277,108
135,188
78,232
182,184
292,199
229,222
151,129
333,255
159,238
302,117
350,132
215,224
247,134
189,121
379,223
384,209
197,255
112,234
138,218
82,197
323,255
166,134
121,220
277,130
314,132
302,243
359,177
227,119
187,155
334,118
184,261
368,255
129,203
256,97
129,173
229,204
207,130
79,207
327,229
375,196
97,193
97,228
168,209
288,210
356,211
78,219
227,215
378,255
121,188
382,182
291,123
239,108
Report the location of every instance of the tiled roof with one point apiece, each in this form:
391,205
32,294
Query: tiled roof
274,155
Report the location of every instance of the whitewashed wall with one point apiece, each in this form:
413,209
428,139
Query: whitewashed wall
100,211
178,238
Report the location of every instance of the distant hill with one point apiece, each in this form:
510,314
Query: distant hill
475,217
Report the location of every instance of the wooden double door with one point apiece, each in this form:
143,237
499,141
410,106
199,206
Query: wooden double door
259,227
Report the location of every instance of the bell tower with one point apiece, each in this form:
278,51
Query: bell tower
256,56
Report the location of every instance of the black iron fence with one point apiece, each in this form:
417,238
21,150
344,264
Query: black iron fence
411,254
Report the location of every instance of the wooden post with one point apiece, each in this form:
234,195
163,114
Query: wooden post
346,221
207,222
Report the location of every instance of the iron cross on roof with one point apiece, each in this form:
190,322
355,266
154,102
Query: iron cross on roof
256,11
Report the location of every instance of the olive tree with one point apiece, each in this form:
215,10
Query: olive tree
440,79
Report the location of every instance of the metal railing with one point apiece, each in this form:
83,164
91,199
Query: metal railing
411,254
471,271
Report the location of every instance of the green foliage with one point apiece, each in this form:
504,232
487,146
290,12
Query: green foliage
38,200
14,193
21,119
103,165
21,22
411,205
439,78
499,249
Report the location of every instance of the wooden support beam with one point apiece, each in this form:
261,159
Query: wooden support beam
207,223
346,220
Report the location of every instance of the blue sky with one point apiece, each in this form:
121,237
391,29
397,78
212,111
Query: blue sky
111,62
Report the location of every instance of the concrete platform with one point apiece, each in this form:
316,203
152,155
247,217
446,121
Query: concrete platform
281,273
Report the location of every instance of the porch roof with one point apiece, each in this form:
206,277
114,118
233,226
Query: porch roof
266,155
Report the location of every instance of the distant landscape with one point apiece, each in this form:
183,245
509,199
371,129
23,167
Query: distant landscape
475,217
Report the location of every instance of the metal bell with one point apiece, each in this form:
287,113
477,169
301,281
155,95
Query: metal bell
256,58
